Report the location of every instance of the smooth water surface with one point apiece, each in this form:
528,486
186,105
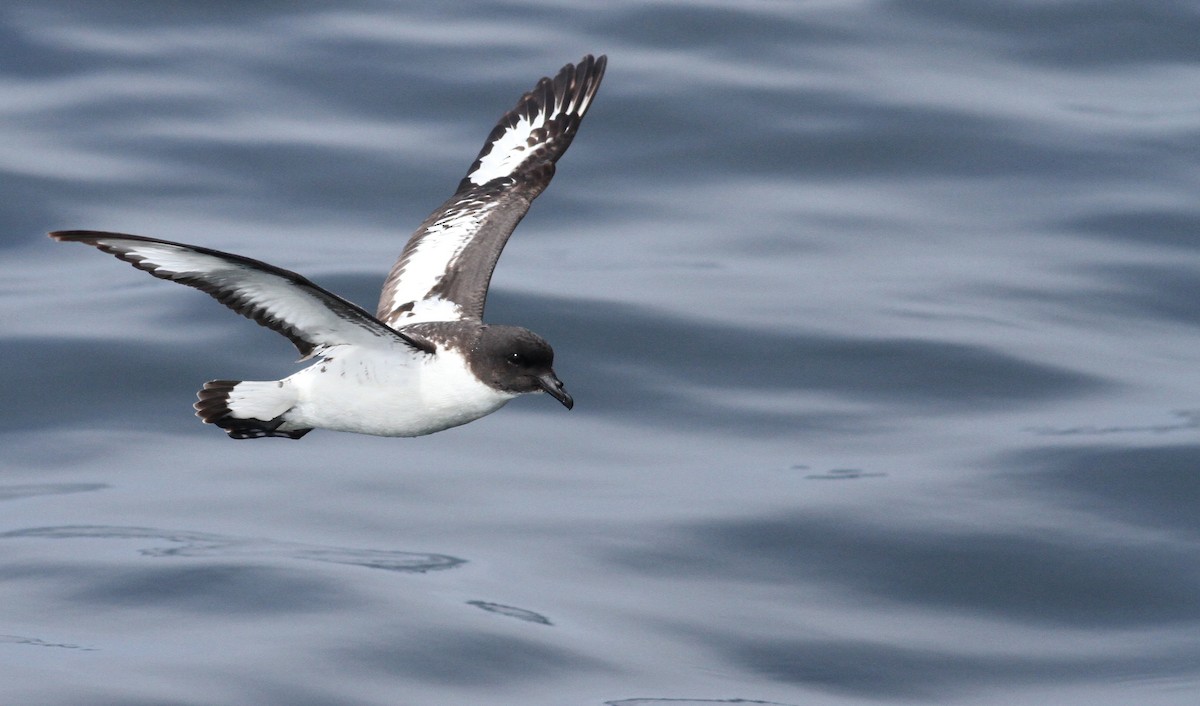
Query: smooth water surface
881,319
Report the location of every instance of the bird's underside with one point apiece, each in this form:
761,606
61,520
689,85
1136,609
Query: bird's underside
425,361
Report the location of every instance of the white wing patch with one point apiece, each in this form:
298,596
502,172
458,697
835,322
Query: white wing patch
435,254
168,260
248,288
512,148
445,268
509,151
435,309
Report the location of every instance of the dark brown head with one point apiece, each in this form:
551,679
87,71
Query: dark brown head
517,360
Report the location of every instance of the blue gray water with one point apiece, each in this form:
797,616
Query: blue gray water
881,319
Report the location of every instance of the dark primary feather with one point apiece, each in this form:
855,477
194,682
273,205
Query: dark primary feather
571,91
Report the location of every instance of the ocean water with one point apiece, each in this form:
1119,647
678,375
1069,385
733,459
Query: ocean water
881,319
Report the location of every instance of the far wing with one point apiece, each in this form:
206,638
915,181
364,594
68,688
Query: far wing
309,316
444,270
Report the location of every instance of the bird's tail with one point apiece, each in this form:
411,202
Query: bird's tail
247,409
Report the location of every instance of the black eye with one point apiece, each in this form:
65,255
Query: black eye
515,358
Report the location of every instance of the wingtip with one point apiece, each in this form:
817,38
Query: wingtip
75,236
597,64
555,106
88,235
588,71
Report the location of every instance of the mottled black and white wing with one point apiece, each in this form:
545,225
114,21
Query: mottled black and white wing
444,270
309,316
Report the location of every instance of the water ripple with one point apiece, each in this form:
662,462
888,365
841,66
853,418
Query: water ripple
22,640
202,544
513,612
32,490
689,702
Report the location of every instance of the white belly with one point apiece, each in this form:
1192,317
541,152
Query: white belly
371,392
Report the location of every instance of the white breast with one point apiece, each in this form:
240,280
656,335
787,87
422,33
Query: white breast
372,392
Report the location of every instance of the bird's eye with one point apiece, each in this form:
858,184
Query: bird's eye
515,358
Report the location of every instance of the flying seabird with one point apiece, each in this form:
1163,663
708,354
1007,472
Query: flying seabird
425,361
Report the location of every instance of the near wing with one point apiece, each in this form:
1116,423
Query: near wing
311,317
444,271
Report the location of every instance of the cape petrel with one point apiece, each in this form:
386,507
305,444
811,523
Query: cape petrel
425,361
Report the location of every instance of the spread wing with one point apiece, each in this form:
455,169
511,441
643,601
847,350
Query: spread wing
309,316
444,270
